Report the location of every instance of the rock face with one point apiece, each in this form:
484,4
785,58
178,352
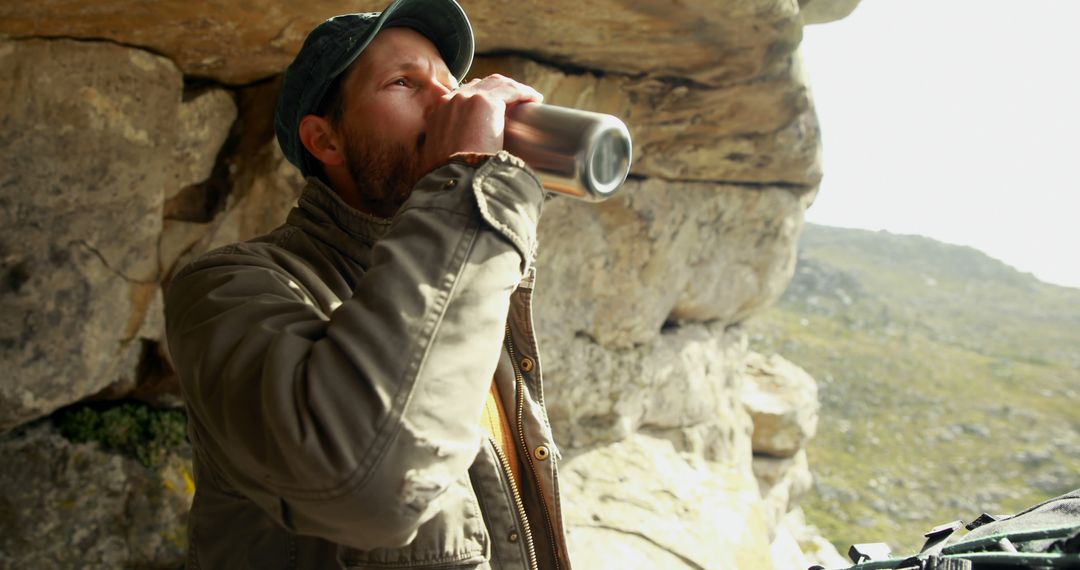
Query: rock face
798,546
92,142
763,132
618,282
249,191
639,504
823,11
706,41
600,395
127,154
75,505
782,399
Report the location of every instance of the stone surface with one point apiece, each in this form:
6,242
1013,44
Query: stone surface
203,121
685,378
782,483
791,552
259,190
786,552
640,504
81,178
260,203
708,42
825,11
762,132
782,400
660,251
71,505
94,137
814,548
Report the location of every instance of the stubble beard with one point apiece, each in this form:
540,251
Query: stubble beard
384,172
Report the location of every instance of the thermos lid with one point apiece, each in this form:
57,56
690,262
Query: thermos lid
608,162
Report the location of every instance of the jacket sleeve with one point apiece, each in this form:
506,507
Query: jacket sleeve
350,425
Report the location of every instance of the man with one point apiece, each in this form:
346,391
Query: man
363,385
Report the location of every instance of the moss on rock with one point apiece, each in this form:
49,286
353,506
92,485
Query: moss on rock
134,429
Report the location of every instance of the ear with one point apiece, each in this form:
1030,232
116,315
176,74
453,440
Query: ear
320,139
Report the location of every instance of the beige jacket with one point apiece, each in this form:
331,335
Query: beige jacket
335,371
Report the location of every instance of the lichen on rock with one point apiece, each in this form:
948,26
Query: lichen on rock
81,505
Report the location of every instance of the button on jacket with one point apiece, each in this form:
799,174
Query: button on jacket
335,371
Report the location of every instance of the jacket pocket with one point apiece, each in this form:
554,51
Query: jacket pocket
455,538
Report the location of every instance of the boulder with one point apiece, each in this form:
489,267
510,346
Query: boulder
782,481
682,381
640,504
81,177
825,11
72,505
802,548
761,132
236,43
813,548
203,123
259,189
261,204
94,136
661,252
786,552
251,210
782,400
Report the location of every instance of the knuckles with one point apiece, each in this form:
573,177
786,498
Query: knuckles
470,118
475,101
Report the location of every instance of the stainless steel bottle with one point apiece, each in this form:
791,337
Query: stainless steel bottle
578,153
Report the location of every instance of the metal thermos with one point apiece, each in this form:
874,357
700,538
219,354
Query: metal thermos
578,153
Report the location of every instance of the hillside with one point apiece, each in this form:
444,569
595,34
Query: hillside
949,382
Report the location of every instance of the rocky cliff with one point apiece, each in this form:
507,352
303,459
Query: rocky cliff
137,135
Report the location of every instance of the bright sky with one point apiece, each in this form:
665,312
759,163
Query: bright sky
954,119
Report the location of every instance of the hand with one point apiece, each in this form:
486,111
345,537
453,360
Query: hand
472,118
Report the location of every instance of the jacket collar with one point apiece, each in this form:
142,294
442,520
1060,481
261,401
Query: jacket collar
322,206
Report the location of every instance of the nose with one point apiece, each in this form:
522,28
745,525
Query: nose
440,87
434,93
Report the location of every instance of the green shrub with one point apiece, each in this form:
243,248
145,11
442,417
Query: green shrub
136,430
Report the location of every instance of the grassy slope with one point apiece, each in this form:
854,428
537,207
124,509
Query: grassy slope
950,383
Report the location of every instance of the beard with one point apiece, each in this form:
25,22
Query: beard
384,172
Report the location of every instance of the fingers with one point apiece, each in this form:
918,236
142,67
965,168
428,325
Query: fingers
472,117
500,87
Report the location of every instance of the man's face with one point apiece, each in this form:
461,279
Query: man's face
388,94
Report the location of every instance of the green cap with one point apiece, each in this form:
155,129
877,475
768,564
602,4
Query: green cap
336,43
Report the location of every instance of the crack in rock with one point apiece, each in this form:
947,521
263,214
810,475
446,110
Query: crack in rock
688,561
108,266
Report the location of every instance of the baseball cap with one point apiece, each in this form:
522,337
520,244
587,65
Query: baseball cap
336,43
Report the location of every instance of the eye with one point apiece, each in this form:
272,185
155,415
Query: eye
400,82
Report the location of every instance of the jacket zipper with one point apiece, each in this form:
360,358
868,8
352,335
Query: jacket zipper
520,381
522,517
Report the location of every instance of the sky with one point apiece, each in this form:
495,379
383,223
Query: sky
954,119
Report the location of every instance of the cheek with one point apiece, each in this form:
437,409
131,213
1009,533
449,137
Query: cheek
396,121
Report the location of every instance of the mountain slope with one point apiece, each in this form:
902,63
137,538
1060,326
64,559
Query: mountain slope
950,382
